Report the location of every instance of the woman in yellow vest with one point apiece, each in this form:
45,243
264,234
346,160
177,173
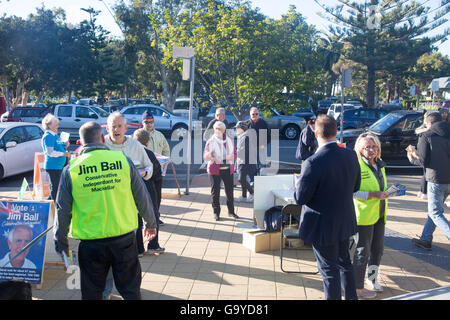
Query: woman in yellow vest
371,208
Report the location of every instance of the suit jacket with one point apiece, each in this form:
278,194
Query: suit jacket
325,189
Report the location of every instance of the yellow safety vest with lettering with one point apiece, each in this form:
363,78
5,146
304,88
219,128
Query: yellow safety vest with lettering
368,211
103,204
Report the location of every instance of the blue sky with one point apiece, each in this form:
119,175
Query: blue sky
271,8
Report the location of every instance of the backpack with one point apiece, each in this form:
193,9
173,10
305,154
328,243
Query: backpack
272,219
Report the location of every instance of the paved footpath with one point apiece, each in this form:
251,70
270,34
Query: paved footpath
205,259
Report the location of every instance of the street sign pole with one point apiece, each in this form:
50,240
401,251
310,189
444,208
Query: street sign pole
187,54
342,107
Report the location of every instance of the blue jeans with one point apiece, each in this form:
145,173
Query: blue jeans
436,193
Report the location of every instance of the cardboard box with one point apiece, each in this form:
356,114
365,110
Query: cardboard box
259,240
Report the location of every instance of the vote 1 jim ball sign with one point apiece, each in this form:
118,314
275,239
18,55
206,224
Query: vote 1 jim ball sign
20,224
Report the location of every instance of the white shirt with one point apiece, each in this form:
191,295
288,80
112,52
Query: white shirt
26,264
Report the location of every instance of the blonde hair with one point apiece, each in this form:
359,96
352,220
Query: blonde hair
220,125
360,143
142,136
48,120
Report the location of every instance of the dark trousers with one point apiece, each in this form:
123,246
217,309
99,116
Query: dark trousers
246,186
369,249
156,200
227,178
423,183
336,269
120,254
55,176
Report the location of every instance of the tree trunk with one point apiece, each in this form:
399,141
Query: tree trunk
370,86
25,96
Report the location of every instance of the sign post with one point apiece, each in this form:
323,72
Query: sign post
434,89
188,56
346,82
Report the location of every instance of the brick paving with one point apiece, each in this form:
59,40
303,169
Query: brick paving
205,259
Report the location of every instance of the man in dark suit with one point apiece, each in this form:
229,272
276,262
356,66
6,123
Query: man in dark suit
325,189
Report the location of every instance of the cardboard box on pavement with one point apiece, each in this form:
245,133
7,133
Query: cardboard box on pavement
259,240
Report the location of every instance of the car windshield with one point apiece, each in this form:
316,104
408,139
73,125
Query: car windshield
385,123
101,112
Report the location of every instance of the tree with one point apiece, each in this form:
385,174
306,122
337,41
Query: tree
384,35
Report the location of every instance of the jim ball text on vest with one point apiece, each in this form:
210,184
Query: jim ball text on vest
104,166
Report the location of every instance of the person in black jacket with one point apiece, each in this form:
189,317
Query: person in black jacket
246,161
260,127
307,144
433,152
219,116
153,184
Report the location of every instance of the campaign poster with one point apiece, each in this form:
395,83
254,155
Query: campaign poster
20,224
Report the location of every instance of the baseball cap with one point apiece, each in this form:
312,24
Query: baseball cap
147,115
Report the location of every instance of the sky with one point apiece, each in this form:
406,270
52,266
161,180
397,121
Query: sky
271,8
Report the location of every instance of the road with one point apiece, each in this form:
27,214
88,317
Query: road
286,153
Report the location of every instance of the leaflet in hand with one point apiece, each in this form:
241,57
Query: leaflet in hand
64,136
395,190
69,260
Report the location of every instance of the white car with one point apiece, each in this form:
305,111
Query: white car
335,109
19,141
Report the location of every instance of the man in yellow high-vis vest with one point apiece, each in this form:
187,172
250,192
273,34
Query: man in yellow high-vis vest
100,192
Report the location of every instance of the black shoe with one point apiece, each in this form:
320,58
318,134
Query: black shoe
233,215
422,244
216,216
161,222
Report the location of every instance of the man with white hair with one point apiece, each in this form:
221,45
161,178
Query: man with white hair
18,238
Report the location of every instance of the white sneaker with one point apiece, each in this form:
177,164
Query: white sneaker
250,198
241,199
374,286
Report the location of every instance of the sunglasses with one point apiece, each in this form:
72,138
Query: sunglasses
149,121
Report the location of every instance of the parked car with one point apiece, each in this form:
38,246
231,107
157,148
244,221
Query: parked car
355,103
86,102
305,113
360,118
18,143
396,131
335,109
289,126
28,114
323,105
165,121
73,116
111,108
390,106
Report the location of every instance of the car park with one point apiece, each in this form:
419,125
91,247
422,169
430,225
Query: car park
289,126
323,105
28,114
72,116
360,118
165,121
181,108
396,132
335,109
19,141
390,106
305,113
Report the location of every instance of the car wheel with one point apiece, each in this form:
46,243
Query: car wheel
180,130
291,132
2,172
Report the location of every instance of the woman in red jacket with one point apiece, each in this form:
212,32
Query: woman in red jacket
220,155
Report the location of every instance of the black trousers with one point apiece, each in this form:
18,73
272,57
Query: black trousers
369,249
227,178
246,186
156,200
55,176
120,254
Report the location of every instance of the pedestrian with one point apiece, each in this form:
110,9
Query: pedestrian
220,155
371,209
55,152
117,140
433,152
100,193
261,129
444,114
246,160
325,189
158,143
422,194
307,144
218,116
153,246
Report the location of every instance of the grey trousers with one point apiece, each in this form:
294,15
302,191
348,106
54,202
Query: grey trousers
369,249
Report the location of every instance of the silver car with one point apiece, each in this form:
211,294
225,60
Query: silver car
165,121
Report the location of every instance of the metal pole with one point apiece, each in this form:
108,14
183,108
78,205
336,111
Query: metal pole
342,107
189,144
